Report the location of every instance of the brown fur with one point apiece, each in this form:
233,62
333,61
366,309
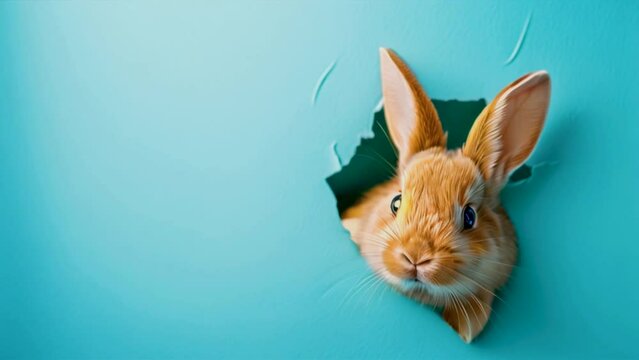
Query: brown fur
423,250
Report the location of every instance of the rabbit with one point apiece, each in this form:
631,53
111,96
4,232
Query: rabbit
436,231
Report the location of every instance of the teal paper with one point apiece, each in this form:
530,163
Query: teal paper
163,189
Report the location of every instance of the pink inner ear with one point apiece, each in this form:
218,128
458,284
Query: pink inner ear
411,117
506,132
399,103
526,105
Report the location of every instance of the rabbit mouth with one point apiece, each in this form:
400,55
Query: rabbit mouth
433,294
419,285
433,290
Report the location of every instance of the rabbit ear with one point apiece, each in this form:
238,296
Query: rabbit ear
410,115
507,130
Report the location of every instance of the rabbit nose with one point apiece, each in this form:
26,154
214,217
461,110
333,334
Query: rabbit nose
410,266
422,261
407,258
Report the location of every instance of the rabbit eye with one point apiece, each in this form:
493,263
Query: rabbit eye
469,217
396,203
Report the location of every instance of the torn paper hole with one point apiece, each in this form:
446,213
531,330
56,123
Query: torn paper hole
525,173
375,158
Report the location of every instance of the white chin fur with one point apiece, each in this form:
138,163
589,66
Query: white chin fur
438,293
461,287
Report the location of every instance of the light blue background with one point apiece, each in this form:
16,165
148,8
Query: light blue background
162,190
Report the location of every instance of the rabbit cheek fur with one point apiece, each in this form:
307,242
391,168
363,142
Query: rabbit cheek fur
422,248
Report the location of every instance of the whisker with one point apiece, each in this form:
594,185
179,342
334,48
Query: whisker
383,158
390,173
388,138
356,289
480,285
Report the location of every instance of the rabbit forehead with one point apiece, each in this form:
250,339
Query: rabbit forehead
439,178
